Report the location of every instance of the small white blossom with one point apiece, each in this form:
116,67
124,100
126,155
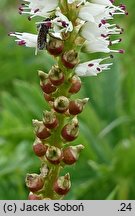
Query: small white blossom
96,45
38,7
96,30
103,30
103,2
100,45
59,24
91,68
90,11
97,37
97,12
25,39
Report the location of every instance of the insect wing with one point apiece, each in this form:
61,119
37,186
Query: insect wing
42,37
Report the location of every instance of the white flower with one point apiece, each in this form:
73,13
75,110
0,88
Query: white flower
96,30
38,7
104,30
25,39
97,12
103,2
96,45
90,11
59,24
100,45
121,8
91,68
97,37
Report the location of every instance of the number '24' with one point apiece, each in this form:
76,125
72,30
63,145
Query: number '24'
125,207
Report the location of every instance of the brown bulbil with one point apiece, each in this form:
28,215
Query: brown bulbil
70,59
34,196
34,182
48,97
52,125
71,130
55,46
62,185
50,120
47,87
76,106
71,154
61,104
54,155
42,75
45,83
39,148
75,84
56,76
41,131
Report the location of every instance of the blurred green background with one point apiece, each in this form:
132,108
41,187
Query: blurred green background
106,168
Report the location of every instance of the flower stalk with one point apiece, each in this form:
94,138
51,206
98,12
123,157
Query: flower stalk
68,28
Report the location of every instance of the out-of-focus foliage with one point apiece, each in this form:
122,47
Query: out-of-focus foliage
106,168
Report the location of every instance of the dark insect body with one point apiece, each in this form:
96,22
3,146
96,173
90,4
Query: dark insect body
43,29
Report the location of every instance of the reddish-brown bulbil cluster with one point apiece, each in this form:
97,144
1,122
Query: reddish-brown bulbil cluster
58,127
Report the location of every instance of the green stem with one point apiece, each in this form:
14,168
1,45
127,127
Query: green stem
54,171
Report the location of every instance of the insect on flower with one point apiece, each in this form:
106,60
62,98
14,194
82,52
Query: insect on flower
43,31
